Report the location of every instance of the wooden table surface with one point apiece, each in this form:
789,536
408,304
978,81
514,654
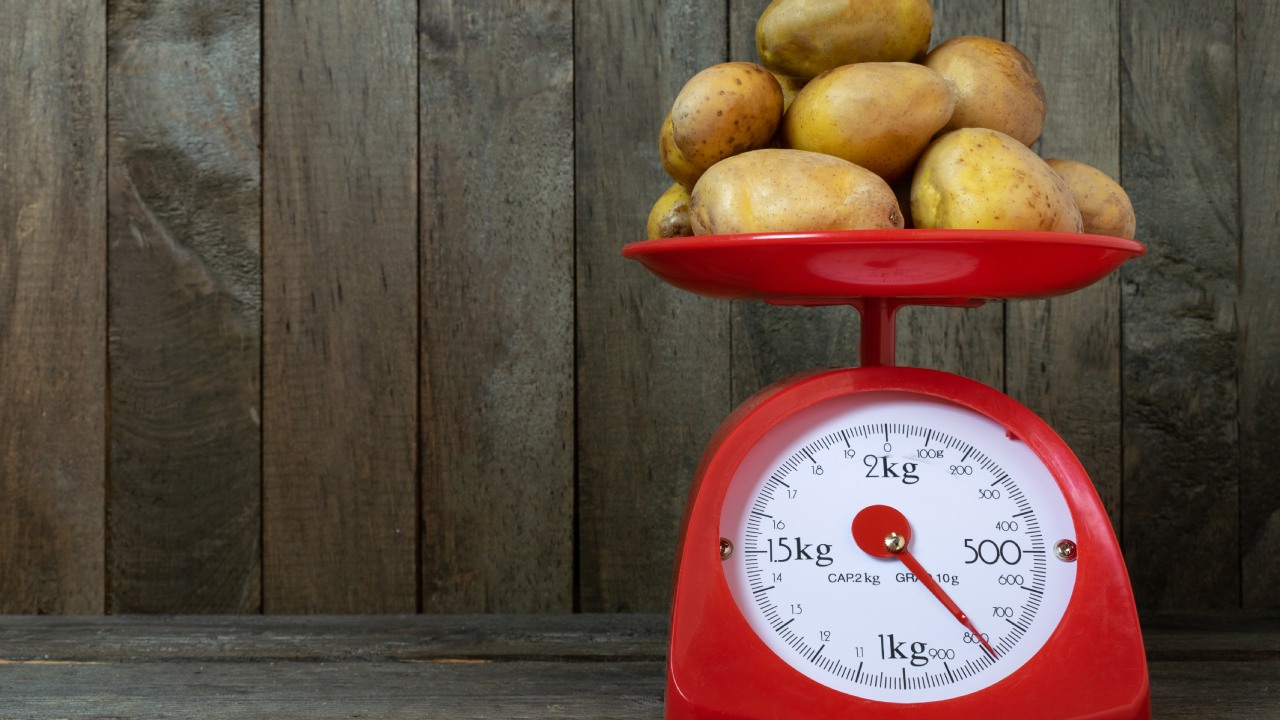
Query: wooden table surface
474,666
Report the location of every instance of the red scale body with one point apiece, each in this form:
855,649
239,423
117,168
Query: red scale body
1092,666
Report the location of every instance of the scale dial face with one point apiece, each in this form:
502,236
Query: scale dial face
828,590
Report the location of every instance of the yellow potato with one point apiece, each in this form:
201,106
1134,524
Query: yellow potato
790,87
669,216
674,161
875,114
996,86
784,190
1105,208
724,110
805,38
981,179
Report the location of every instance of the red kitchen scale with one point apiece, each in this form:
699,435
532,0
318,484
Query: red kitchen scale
895,542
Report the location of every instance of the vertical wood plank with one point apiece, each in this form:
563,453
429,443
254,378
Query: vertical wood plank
743,15
184,288
497,305
966,17
52,306
1063,355
1179,162
1257,23
653,361
53,299
770,342
966,342
340,307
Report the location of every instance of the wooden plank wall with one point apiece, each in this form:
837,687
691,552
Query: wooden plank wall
318,307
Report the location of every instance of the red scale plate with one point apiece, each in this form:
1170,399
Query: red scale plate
943,267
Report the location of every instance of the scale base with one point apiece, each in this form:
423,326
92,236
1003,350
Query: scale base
1093,665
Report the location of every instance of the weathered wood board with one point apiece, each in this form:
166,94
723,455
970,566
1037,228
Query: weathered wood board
1258,314
652,364
53,321
184,289
1062,356
497,306
1180,377
340,308
319,307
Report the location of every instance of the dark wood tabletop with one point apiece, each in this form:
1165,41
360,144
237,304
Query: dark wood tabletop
476,666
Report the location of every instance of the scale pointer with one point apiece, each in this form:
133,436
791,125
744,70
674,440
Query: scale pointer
883,532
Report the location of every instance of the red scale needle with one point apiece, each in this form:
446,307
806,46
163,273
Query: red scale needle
883,532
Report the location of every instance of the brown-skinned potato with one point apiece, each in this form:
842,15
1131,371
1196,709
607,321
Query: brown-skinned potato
784,190
669,216
996,86
1105,208
879,115
724,110
805,38
981,179
673,161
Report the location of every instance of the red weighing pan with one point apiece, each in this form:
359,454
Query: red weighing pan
943,267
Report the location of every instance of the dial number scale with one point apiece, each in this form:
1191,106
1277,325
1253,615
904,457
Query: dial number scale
980,517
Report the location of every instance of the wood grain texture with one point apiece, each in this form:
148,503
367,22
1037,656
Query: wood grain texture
1062,356
743,15
185,303
629,637
336,690
968,342
771,342
1178,160
653,361
1179,690
497,306
1199,637
466,666
1259,313
340,306
52,306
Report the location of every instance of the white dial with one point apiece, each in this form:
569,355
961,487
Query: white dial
984,519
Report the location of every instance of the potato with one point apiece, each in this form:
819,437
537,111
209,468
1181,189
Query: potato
790,87
996,86
784,190
669,216
1105,208
724,110
805,38
976,178
674,161
875,114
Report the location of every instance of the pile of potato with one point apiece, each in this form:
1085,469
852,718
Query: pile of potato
852,122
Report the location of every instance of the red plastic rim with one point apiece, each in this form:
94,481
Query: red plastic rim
940,266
